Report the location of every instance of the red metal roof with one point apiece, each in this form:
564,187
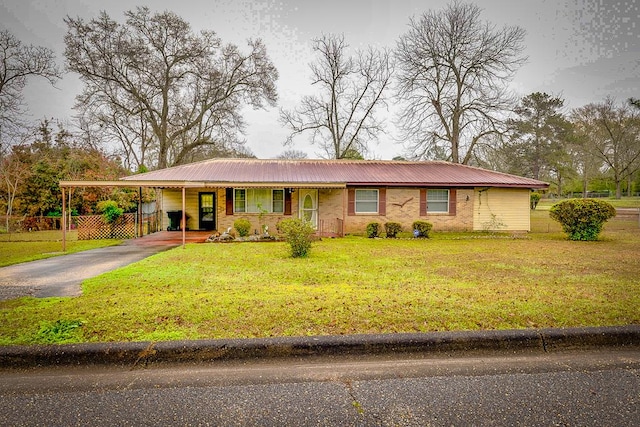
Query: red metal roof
343,172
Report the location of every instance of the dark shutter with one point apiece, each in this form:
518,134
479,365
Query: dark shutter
452,202
382,201
423,202
229,200
287,201
351,203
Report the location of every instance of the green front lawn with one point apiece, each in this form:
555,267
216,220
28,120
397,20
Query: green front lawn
462,281
29,246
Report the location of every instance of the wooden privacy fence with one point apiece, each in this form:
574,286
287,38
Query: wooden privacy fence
92,227
29,223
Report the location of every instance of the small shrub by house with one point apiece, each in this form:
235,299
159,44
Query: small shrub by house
242,226
373,230
392,229
534,199
422,228
298,233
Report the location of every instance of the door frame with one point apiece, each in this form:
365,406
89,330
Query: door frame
302,193
200,222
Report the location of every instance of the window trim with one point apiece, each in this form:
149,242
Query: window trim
273,200
377,201
447,200
246,210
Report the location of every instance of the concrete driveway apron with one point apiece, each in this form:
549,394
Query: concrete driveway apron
61,276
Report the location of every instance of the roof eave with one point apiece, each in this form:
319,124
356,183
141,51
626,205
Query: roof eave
448,184
328,185
198,184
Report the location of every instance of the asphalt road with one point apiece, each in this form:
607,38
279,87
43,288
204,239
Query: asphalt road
568,388
61,276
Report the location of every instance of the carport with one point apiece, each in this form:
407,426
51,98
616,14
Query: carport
139,184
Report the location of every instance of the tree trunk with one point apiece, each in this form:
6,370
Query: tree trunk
559,185
455,137
455,157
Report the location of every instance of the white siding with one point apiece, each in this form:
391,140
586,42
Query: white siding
172,201
502,209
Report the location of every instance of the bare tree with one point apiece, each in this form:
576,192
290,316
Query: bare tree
17,63
130,136
292,154
584,163
14,170
162,91
452,80
341,118
612,134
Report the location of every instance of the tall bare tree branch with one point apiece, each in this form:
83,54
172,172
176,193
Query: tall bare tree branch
341,117
160,90
453,71
18,63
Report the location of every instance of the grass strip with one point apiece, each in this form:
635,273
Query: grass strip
15,252
453,281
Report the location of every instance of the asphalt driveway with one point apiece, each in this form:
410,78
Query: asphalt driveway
61,276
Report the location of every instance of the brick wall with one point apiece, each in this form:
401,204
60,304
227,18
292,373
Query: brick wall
462,221
270,219
330,203
403,206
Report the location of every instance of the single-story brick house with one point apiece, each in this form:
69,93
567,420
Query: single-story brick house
341,196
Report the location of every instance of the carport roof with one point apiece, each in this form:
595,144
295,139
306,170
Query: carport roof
321,174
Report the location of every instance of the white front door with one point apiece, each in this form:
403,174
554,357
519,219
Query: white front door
309,206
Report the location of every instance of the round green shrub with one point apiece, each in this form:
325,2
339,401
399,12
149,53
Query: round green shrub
298,234
110,211
422,228
582,219
242,226
534,199
392,229
373,230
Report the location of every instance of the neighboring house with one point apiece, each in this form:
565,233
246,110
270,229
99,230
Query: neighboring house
341,196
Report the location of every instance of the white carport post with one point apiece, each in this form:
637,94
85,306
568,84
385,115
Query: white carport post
184,216
140,230
64,222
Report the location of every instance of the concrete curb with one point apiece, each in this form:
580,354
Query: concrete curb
437,343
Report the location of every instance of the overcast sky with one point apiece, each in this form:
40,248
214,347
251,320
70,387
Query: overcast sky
581,50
